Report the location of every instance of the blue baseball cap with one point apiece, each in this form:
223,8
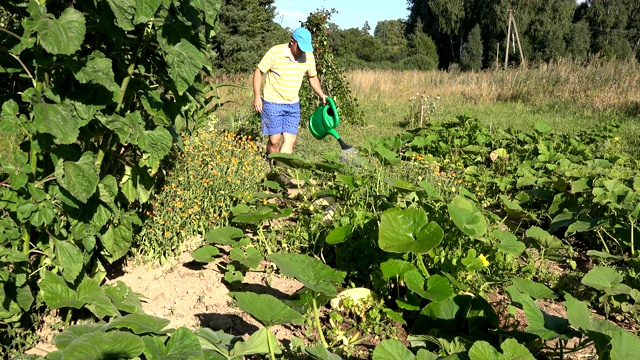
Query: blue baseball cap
303,37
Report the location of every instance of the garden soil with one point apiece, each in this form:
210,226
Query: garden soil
193,295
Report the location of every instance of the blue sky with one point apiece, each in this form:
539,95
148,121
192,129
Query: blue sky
351,13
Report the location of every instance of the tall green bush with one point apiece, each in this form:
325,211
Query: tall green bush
332,78
111,84
471,58
423,54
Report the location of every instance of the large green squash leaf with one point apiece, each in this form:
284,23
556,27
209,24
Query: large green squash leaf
603,333
257,343
338,235
139,324
512,350
267,309
63,35
508,242
482,350
624,345
467,217
533,289
542,324
438,287
607,280
543,238
456,314
407,230
205,254
312,273
184,62
184,344
249,257
71,333
224,235
99,345
57,293
394,267
78,178
392,350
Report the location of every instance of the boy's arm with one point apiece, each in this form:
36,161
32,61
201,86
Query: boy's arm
315,85
257,85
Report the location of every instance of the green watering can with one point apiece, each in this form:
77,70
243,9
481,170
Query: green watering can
324,121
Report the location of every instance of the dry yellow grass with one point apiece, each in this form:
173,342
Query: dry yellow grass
599,85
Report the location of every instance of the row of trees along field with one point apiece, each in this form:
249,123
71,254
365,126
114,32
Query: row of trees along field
439,33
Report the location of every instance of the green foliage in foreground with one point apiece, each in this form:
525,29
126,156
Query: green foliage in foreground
467,210
110,85
460,325
417,222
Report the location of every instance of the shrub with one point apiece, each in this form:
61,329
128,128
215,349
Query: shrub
215,171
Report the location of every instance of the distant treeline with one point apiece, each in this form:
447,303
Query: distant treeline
470,34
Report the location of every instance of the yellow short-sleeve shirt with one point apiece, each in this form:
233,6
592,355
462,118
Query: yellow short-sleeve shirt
284,76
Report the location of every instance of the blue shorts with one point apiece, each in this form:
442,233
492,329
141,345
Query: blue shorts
280,118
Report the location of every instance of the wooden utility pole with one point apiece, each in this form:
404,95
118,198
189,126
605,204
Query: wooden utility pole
509,34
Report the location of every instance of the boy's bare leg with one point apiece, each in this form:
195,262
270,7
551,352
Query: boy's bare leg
287,144
273,145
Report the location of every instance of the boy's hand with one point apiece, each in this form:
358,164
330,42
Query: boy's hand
257,104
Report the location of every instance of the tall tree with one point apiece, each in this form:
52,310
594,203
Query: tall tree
550,22
442,21
423,54
345,42
247,31
391,34
579,41
633,26
471,58
608,20
368,48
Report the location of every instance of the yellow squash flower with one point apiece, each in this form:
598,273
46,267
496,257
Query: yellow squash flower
484,260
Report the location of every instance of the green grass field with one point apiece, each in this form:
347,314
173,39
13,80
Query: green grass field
569,97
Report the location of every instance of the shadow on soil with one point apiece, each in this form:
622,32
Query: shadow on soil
230,324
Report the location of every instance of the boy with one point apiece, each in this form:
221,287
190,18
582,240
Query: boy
284,66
